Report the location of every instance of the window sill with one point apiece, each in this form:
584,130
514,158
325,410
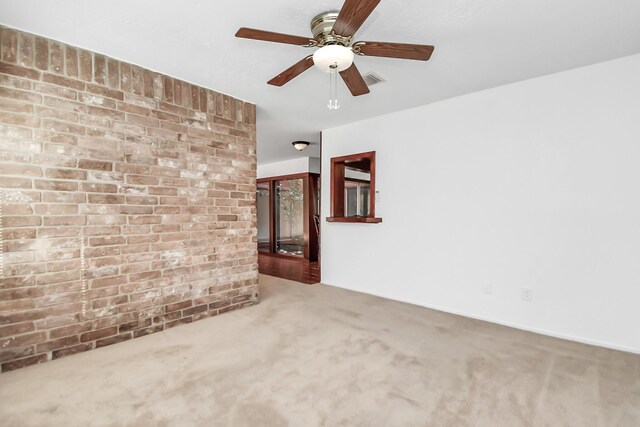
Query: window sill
353,219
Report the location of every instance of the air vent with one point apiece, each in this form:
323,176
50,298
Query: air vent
372,79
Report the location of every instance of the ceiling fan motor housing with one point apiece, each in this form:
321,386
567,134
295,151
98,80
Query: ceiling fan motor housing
334,53
322,25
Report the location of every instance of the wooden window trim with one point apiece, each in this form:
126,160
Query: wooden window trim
337,188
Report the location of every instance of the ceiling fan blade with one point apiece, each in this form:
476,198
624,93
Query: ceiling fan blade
294,71
419,52
268,36
354,81
352,16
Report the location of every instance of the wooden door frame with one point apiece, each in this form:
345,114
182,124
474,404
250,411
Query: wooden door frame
310,251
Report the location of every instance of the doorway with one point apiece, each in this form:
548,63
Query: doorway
288,221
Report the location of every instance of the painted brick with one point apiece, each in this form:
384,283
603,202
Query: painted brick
134,204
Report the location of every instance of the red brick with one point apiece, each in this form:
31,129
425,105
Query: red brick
66,331
85,69
95,165
137,80
16,329
20,95
148,83
42,53
9,44
98,188
16,353
107,241
19,71
64,220
56,354
56,209
59,343
64,197
63,81
71,61
21,119
97,152
178,322
113,73
147,331
63,104
10,182
100,69
64,276
178,306
56,185
108,281
57,114
102,333
113,340
19,233
133,325
21,363
64,127
103,91
195,310
23,340
106,199
15,106
66,174
56,57
65,265
21,221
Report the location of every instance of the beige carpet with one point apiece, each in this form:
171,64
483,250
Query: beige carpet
311,356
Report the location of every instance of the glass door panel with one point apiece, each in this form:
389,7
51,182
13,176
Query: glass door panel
289,210
263,212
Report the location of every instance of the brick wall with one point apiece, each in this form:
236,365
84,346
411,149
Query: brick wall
127,201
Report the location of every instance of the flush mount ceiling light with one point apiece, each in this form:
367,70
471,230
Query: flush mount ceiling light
333,57
300,145
333,34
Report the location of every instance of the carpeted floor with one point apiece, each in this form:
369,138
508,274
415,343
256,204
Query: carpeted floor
311,356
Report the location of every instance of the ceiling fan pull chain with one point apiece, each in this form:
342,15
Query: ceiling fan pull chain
333,88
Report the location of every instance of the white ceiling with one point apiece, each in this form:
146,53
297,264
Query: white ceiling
479,44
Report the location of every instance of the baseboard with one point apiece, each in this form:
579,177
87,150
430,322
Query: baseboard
553,334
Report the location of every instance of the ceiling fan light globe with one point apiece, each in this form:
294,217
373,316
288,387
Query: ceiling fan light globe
328,56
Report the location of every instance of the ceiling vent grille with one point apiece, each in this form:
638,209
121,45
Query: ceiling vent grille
372,79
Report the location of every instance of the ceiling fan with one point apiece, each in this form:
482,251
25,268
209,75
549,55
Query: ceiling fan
332,34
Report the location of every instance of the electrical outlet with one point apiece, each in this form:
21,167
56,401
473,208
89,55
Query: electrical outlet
527,294
487,288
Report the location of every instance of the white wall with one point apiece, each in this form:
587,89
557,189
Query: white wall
531,185
289,167
314,164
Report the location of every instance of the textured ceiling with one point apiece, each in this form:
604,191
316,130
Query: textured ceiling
479,44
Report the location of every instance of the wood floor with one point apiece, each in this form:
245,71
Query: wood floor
300,270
